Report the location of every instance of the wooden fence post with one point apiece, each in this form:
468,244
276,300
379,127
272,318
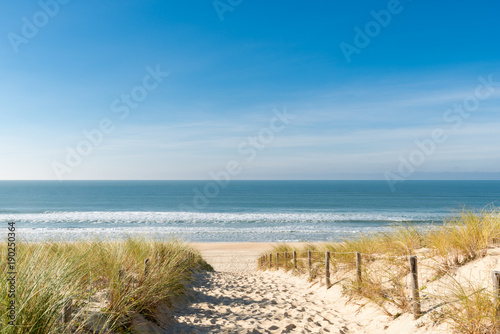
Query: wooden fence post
121,274
66,312
309,261
295,260
277,261
327,269
495,277
358,269
286,263
414,287
146,266
270,261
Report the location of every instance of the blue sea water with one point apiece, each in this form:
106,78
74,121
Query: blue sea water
239,211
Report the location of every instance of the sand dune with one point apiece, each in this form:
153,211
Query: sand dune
237,299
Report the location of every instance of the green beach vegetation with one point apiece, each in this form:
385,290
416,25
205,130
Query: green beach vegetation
110,284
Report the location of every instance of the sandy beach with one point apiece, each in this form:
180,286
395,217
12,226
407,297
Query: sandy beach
234,257
237,299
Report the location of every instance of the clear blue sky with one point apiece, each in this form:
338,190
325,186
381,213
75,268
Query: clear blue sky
354,118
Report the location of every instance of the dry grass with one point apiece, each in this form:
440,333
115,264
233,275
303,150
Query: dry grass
469,309
108,281
385,280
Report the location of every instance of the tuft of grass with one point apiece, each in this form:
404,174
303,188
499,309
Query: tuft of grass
463,238
384,284
469,308
109,283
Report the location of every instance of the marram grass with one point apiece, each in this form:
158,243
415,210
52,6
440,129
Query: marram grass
441,249
109,283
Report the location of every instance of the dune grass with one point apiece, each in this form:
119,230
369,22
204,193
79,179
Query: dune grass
469,308
109,283
441,249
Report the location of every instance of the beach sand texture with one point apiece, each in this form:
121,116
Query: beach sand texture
237,299
229,302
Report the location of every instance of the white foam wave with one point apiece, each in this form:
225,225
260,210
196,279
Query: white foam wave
196,218
202,234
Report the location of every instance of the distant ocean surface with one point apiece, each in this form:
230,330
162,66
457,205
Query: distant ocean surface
203,211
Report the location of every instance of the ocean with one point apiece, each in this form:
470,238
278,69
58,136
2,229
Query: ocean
236,211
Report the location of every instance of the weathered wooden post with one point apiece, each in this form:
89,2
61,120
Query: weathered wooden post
358,269
295,260
146,266
66,313
327,269
309,261
270,261
121,274
495,277
286,259
414,287
277,261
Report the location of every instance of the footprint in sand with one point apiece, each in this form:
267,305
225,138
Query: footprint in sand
254,303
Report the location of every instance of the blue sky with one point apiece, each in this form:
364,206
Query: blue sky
356,118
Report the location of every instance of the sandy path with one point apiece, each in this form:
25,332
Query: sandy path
229,302
238,299
235,257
